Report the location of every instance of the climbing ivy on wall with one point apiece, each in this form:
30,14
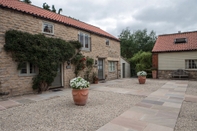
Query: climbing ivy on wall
45,53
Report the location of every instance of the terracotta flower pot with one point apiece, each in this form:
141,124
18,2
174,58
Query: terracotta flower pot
142,79
80,96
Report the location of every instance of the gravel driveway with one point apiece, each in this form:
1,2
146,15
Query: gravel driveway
60,114
187,120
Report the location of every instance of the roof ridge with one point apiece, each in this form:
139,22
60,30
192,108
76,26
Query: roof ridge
46,14
178,33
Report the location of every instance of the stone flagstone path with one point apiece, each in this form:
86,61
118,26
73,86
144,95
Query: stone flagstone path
157,112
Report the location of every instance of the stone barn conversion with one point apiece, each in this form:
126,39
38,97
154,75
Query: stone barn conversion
103,47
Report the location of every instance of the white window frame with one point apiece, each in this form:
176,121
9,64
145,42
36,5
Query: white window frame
48,24
28,73
191,64
112,66
107,43
86,38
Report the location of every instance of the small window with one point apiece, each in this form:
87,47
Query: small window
180,40
28,69
23,69
84,39
112,66
107,42
48,28
191,64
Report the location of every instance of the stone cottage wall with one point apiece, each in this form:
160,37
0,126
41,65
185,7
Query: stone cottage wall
9,76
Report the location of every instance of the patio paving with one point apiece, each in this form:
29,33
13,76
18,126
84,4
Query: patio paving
158,111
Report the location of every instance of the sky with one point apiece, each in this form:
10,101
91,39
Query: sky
113,16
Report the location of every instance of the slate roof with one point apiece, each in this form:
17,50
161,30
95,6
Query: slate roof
166,43
40,12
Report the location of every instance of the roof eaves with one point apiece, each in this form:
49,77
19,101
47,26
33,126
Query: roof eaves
174,51
41,16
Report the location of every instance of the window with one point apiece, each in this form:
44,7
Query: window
28,69
84,39
107,42
48,28
180,40
112,66
191,64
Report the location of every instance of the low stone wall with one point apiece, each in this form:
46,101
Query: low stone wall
166,74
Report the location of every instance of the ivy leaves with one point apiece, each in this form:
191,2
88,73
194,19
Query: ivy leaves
45,53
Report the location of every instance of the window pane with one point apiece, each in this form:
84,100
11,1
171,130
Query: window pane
107,42
48,28
113,67
86,41
191,64
32,68
195,64
81,39
24,69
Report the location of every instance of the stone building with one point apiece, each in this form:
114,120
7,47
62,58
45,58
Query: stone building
97,44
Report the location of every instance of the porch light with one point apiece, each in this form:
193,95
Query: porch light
68,62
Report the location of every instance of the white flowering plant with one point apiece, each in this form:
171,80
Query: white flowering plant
142,73
79,83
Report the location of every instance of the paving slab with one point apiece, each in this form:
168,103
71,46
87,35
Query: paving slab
154,127
157,112
9,103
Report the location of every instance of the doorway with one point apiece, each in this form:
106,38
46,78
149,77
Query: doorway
100,69
123,70
58,79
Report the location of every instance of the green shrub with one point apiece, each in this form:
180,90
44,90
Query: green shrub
142,61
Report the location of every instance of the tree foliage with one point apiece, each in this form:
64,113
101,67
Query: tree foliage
131,43
47,7
142,60
27,1
53,9
45,53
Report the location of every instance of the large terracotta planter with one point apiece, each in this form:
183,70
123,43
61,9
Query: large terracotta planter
80,96
154,74
142,79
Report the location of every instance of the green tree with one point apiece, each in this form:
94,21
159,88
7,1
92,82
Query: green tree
27,1
142,60
131,43
53,9
46,6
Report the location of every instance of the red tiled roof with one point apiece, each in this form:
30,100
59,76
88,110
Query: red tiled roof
166,43
39,12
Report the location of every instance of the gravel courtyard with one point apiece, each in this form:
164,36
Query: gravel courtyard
187,120
60,114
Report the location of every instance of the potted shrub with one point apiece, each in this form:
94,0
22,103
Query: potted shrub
142,77
154,72
95,78
79,90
